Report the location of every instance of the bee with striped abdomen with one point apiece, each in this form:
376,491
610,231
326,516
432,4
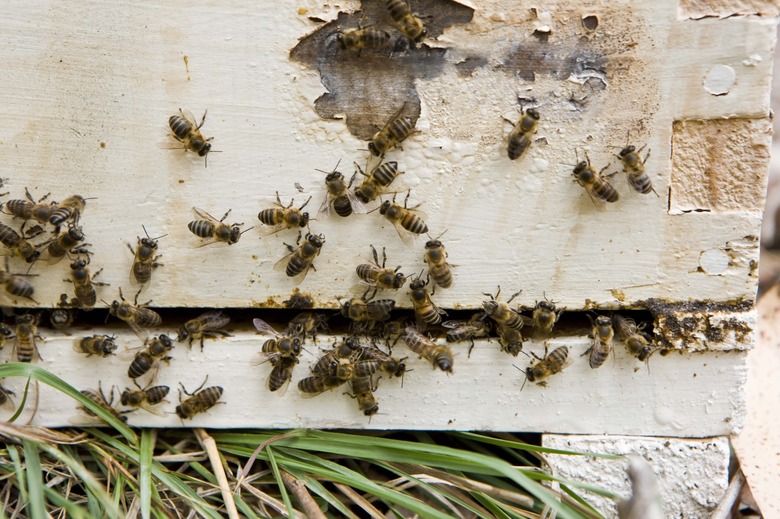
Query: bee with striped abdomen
395,131
144,258
209,227
425,311
602,335
403,217
339,196
137,317
104,403
187,131
501,313
542,368
284,216
199,401
307,324
205,325
359,309
436,258
475,327
26,335
154,351
363,391
636,341
596,187
145,398
410,25
544,316
374,275
84,283
634,167
100,345
363,38
16,284
439,355
297,263
511,339
30,209
519,140
69,209
282,351
65,242
15,245
376,180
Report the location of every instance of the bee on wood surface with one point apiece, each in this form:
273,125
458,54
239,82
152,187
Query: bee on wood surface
26,335
100,345
376,180
307,324
550,364
65,242
363,391
436,258
338,195
16,284
629,333
475,327
15,245
284,216
394,132
544,316
137,317
69,209
501,313
634,167
372,359
282,352
5,398
410,25
155,350
358,309
439,355
145,398
348,349
84,283
425,311
62,317
378,276
602,335
363,38
204,326
30,209
199,401
210,227
519,140
334,368
144,258
511,339
297,263
100,399
187,131
408,218
597,188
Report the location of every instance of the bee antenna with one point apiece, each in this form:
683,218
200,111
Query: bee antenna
242,232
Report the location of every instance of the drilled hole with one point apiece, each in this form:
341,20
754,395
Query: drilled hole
590,22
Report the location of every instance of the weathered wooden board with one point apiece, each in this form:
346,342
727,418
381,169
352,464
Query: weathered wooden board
90,87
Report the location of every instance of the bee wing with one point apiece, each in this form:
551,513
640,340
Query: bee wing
138,331
273,229
214,320
265,328
357,206
360,288
325,207
203,215
394,117
298,278
281,265
454,324
407,237
154,409
189,117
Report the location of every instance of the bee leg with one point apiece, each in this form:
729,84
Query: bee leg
471,348
376,258
304,204
225,215
132,250
507,120
514,296
202,120
585,353
646,156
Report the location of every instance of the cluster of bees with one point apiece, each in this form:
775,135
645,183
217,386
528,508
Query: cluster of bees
357,360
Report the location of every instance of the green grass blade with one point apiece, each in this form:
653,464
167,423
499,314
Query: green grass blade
317,488
73,510
145,454
20,407
32,463
532,448
282,488
21,479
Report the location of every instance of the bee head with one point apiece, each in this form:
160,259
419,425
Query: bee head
235,234
625,151
373,149
399,280
296,346
78,264
205,149
384,207
583,172
547,305
340,40
533,113
304,219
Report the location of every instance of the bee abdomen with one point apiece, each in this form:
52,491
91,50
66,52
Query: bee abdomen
201,228
386,173
443,359
20,208
19,287
342,206
295,266
8,236
598,356
401,128
414,224
60,215
25,351
366,271
148,318
398,9
270,216
429,315
641,183
604,191
179,126
442,276
517,146
141,364
142,272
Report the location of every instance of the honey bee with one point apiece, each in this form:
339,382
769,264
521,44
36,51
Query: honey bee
634,167
474,328
404,217
438,269
26,334
392,134
106,404
298,300
101,345
199,401
363,390
629,333
282,352
144,258
550,364
5,397
348,349
594,184
307,323
378,276
425,311
204,326
69,209
155,350
363,38
187,131
137,317
17,246
63,316
284,216
210,227
84,283
65,242
602,335
439,355
145,398
330,371
501,313
519,140
338,195
545,316
511,339
16,284
358,309
372,359
374,182
297,263
410,25
30,209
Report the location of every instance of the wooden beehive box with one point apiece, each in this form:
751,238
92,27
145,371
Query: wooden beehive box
90,86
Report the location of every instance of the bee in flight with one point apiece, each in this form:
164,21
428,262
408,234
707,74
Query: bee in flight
596,187
297,263
84,283
16,284
30,209
602,335
154,351
363,38
544,316
542,368
475,327
519,140
376,180
205,325
209,227
144,258
338,195
395,131
145,398
379,277
634,167
100,345
439,355
403,217
137,317
282,351
26,335
636,341
284,216
187,131
410,25
199,401
436,258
